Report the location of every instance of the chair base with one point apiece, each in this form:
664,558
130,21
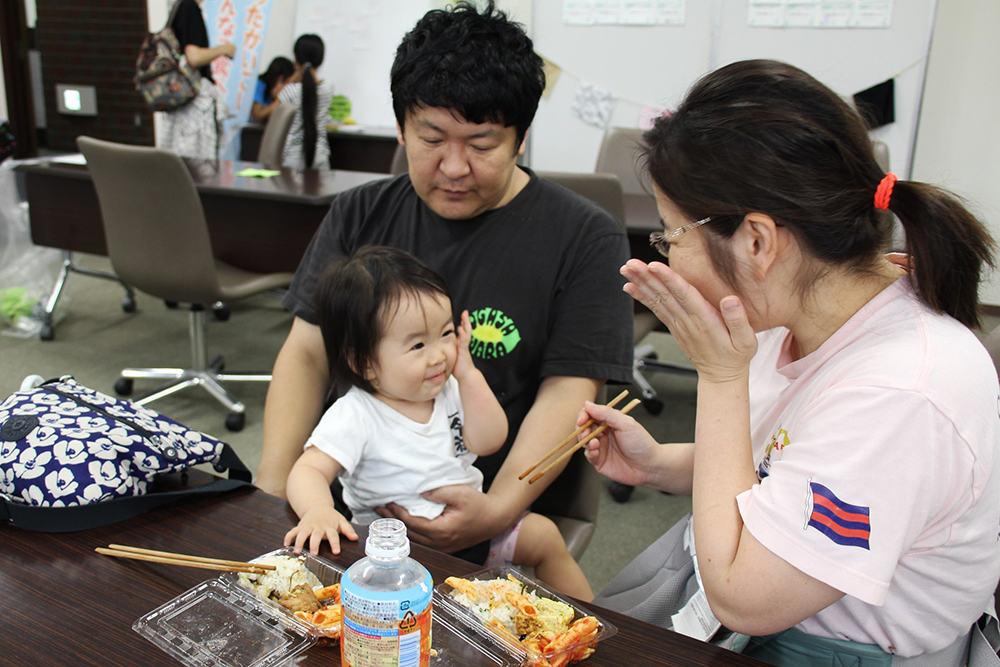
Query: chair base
205,373
46,315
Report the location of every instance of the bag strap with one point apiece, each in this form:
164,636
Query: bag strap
985,640
94,515
173,13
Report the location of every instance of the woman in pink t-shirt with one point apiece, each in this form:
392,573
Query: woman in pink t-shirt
844,473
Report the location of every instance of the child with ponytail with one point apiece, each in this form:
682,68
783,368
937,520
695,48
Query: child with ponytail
307,144
844,469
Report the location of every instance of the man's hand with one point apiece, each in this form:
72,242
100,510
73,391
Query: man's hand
467,519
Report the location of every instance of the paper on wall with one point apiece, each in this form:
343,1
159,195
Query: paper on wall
819,13
593,105
552,72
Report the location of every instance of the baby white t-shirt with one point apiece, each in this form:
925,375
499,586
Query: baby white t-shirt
389,458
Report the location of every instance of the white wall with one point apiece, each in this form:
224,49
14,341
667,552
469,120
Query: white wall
654,65
959,135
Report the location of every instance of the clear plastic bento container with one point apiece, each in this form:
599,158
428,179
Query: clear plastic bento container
469,618
219,623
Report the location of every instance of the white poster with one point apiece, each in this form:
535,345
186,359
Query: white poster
623,12
819,14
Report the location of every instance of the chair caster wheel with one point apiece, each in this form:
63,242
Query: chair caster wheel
170,304
123,387
47,333
235,421
620,492
128,305
654,406
221,313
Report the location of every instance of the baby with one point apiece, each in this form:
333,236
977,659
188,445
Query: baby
416,416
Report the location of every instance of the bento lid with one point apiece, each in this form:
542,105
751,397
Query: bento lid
217,625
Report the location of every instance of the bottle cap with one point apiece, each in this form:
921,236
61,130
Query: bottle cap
387,540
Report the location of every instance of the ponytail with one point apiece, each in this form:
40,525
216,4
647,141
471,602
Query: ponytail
309,102
948,247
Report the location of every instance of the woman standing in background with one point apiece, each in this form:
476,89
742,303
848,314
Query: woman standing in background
307,144
193,129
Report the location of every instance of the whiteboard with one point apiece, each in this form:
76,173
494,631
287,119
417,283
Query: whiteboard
361,37
652,66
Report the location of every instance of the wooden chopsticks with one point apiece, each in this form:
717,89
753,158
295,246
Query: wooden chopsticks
170,558
572,436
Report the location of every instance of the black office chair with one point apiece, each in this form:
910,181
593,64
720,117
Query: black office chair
158,241
618,155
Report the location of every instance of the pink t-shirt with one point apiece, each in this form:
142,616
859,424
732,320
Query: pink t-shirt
876,459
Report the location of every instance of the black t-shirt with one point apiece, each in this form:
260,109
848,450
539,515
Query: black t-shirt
189,28
538,276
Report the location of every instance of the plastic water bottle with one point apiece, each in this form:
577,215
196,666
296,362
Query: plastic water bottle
386,599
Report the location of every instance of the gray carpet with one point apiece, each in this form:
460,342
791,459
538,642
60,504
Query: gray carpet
94,339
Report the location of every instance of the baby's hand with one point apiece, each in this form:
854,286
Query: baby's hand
319,522
463,363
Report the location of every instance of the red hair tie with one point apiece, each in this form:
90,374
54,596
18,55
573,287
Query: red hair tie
883,193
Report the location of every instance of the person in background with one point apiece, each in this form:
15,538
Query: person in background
416,416
845,469
193,129
307,144
535,265
269,84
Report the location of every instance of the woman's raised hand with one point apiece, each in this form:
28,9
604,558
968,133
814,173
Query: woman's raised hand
719,341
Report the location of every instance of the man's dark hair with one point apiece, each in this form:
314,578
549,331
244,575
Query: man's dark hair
356,296
482,65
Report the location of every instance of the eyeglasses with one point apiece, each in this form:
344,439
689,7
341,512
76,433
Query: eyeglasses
661,240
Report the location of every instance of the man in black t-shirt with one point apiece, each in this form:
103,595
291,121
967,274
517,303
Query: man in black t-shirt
535,265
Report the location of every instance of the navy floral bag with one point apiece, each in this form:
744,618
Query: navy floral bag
73,458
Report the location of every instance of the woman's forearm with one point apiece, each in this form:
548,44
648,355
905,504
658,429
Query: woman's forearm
198,56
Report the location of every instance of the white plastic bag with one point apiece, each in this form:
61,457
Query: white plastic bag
27,272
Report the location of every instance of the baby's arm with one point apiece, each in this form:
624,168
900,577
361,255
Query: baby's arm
485,427
309,495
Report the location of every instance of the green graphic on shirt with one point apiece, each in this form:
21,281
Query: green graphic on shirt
493,334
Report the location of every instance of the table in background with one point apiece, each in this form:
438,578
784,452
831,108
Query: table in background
257,224
364,149
62,603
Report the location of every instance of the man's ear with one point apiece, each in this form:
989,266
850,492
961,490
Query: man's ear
759,240
399,134
524,144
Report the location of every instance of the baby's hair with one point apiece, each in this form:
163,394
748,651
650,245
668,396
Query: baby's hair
355,298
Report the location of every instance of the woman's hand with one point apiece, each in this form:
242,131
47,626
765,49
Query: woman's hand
320,522
719,341
463,338
625,451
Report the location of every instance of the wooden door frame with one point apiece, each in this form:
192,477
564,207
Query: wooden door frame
17,76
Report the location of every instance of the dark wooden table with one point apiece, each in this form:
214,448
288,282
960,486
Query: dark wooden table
367,149
257,224
63,604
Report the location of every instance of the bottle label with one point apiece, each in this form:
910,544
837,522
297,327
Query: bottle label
386,628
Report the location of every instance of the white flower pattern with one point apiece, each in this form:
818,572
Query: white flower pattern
31,463
60,483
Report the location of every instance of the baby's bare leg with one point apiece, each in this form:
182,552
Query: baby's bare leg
541,546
